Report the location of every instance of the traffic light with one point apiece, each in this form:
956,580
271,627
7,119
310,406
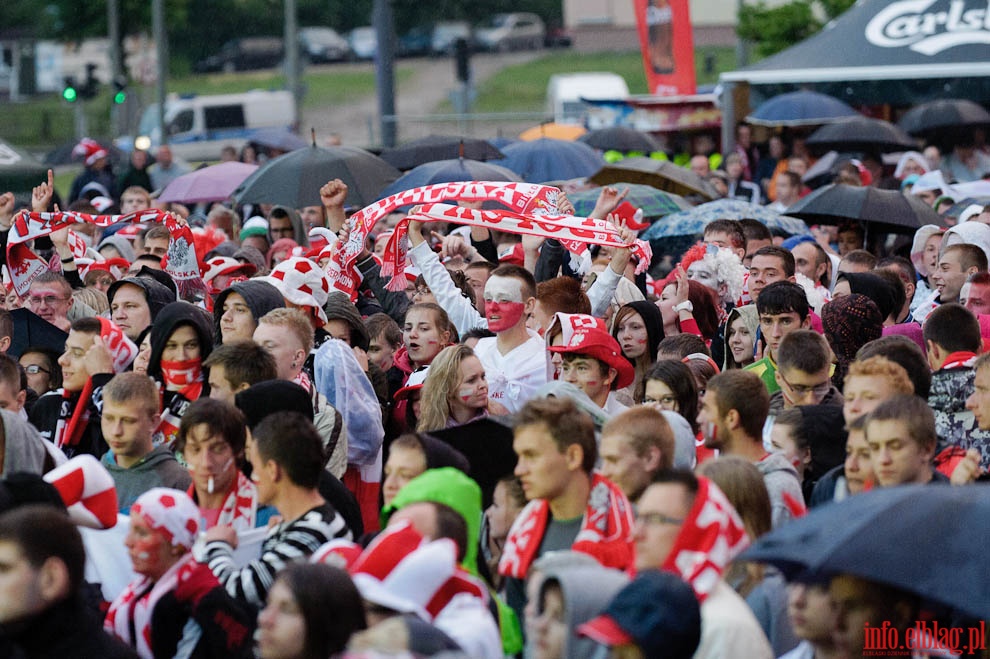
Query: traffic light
119,89
462,60
90,88
69,92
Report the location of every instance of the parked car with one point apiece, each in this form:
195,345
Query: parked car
244,54
515,31
415,42
446,34
363,42
323,44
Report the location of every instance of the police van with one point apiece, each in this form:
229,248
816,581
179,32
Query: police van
199,127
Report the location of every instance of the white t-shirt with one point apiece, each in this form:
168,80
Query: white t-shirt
514,378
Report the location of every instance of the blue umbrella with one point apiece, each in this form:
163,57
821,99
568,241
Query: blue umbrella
654,203
693,221
449,171
927,539
801,108
551,160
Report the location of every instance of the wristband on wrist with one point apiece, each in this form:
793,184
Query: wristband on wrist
684,306
70,259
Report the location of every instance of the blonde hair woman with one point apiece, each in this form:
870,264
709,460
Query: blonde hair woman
455,391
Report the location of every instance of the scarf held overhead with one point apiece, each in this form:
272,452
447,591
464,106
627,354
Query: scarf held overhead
25,265
606,531
527,201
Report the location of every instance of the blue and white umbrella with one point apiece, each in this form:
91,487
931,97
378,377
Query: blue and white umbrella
692,222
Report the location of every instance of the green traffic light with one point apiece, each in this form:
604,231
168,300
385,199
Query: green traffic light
70,94
120,97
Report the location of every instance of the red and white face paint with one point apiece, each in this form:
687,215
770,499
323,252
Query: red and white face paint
148,548
504,304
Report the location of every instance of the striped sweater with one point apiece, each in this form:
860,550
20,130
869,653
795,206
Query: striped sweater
285,543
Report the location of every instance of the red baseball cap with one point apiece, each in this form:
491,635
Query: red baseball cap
599,344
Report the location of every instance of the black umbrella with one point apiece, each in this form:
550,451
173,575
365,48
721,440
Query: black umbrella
927,539
487,444
621,138
955,114
886,210
439,147
861,134
31,331
660,174
295,179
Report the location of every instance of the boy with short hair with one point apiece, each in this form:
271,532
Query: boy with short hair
131,413
783,308
803,372
901,435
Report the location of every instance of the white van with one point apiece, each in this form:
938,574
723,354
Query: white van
200,126
565,91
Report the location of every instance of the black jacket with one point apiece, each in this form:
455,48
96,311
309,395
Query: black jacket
68,630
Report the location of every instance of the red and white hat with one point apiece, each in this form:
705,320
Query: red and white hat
338,553
301,282
568,323
88,491
595,342
415,382
402,571
224,265
90,150
170,512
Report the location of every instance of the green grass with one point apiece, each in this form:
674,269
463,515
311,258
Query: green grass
523,87
47,121
321,87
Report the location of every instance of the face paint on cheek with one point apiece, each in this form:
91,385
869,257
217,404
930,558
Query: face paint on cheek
503,315
710,431
466,394
148,550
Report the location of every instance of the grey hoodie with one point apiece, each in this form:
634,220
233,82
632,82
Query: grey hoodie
22,446
586,590
157,469
781,478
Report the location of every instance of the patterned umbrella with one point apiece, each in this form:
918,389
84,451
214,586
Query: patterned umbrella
692,222
654,203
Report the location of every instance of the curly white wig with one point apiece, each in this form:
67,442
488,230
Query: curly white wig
728,270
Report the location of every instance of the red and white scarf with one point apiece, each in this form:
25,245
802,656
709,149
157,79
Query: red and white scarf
606,531
129,617
533,211
25,265
711,536
240,507
73,415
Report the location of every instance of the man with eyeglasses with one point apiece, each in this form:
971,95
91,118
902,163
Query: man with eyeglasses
685,524
804,368
733,413
50,297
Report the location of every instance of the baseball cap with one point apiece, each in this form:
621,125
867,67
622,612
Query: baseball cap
599,344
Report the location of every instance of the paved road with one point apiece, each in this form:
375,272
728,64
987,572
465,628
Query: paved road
418,95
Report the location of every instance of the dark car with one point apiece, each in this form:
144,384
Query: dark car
415,42
244,54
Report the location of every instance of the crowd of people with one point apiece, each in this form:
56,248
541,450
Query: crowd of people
518,454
